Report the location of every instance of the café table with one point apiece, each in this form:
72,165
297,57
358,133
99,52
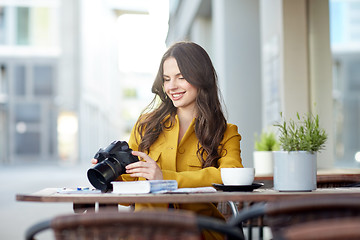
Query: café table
89,201
329,179
258,195
330,183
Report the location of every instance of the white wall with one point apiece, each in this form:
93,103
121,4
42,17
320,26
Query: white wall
236,38
271,60
320,62
295,82
68,84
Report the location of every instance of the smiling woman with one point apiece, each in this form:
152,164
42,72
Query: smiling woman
183,135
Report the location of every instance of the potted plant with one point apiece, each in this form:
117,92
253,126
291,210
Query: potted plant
265,144
295,166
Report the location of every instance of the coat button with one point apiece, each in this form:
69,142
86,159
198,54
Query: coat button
181,150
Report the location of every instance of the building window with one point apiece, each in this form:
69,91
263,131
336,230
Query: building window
43,80
23,24
27,143
29,26
20,80
27,113
3,82
3,33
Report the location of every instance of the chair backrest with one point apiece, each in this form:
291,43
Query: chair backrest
280,215
128,225
110,225
326,229
338,180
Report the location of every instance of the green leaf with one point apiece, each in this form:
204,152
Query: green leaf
303,135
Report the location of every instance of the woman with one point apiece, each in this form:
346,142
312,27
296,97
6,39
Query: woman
185,137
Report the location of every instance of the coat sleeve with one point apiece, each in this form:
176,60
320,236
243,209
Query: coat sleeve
206,176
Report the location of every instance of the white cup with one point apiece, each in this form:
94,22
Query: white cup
237,176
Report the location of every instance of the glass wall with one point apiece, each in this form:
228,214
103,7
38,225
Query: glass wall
345,44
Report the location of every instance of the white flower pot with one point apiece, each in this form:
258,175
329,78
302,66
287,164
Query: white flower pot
263,162
294,171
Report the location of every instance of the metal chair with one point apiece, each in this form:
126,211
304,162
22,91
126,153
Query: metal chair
144,225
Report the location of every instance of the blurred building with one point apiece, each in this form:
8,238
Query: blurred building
63,94
71,82
29,62
276,56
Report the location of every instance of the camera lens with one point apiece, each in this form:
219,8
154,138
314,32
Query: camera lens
111,164
102,174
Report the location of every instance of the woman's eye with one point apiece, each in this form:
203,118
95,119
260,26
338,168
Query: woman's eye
166,79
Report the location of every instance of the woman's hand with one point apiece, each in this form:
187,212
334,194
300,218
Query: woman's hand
147,168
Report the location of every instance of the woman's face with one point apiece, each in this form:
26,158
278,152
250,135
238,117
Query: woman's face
180,91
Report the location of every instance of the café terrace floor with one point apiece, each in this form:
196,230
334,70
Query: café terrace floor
16,217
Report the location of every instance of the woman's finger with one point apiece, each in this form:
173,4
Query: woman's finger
147,168
142,155
139,164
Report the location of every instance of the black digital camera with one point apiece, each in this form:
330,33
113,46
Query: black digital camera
111,164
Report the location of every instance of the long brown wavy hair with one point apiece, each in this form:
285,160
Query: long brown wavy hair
196,67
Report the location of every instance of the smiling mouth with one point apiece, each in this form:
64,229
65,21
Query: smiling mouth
177,96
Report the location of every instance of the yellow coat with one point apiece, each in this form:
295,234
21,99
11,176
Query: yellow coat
180,162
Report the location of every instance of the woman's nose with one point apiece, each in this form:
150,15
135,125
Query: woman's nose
172,84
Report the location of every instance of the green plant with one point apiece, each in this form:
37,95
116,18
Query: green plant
266,142
302,135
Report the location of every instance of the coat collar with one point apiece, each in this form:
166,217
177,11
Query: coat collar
172,134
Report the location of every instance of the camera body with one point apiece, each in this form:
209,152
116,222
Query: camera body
111,164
